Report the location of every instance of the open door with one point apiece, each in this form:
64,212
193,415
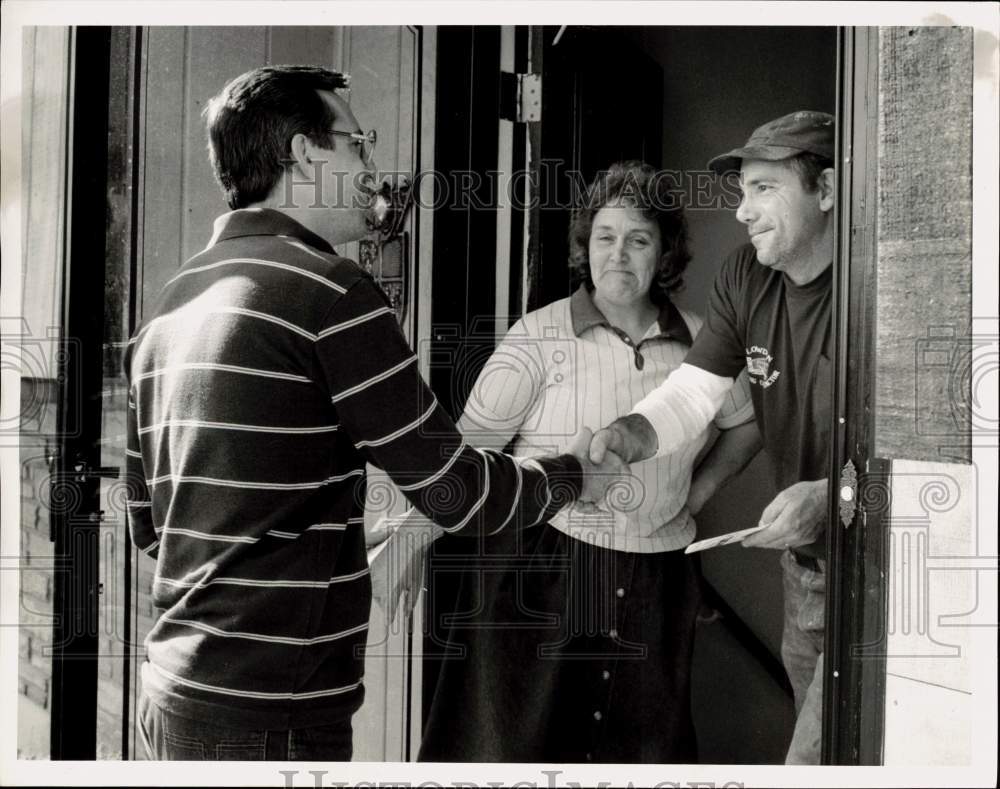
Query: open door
531,105
595,111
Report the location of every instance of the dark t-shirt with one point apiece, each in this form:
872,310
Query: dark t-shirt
780,331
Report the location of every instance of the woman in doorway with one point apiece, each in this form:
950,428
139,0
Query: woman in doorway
572,640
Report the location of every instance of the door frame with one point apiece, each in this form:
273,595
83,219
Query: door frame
103,91
857,540
75,529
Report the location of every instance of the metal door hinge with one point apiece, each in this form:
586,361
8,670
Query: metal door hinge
848,492
520,97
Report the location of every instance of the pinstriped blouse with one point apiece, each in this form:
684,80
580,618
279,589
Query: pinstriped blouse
563,367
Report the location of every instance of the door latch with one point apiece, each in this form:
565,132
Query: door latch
848,492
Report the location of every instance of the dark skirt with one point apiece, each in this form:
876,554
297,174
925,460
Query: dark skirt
562,651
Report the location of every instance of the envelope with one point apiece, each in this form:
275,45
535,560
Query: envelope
722,539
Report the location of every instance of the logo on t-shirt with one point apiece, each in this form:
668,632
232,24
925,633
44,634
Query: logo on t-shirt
759,366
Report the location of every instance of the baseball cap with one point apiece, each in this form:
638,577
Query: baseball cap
804,131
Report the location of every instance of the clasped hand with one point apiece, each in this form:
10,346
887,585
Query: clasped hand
397,561
599,476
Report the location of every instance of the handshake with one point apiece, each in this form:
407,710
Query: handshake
598,475
397,545
605,455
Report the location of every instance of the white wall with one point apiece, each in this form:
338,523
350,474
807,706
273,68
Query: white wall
940,591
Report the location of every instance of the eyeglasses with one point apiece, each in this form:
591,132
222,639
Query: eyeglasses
366,140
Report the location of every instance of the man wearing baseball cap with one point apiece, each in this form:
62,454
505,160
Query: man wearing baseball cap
769,311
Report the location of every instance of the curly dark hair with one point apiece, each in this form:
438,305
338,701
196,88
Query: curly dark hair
640,185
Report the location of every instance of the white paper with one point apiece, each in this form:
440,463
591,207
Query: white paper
722,539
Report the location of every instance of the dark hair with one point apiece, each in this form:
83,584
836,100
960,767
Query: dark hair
640,185
252,120
809,166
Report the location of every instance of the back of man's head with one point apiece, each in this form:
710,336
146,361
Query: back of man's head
252,120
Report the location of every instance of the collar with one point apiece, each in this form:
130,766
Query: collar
822,282
585,315
263,222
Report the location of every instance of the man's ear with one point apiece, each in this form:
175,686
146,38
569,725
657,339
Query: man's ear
827,189
300,150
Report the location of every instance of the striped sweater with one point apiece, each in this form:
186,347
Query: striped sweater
268,373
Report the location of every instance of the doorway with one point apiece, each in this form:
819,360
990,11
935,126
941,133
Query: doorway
710,86
673,96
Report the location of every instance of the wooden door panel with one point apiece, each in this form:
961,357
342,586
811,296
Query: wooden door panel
214,56
162,149
304,45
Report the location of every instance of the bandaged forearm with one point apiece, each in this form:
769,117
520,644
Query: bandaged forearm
683,405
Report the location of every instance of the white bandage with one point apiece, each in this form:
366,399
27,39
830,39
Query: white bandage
683,405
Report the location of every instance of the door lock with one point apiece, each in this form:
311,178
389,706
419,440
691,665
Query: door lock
848,493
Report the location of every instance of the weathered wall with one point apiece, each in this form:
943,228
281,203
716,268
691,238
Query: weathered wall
924,358
924,244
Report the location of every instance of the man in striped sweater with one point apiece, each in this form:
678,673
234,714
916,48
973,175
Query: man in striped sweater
266,375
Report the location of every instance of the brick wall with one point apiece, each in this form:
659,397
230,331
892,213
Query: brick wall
38,428
38,442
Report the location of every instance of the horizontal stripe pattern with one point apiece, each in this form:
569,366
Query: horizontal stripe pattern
228,368
205,425
265,637
249,694
261,582
374,380
274,264
266,375
349,324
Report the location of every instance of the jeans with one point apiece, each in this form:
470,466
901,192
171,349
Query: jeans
802,654
172,737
